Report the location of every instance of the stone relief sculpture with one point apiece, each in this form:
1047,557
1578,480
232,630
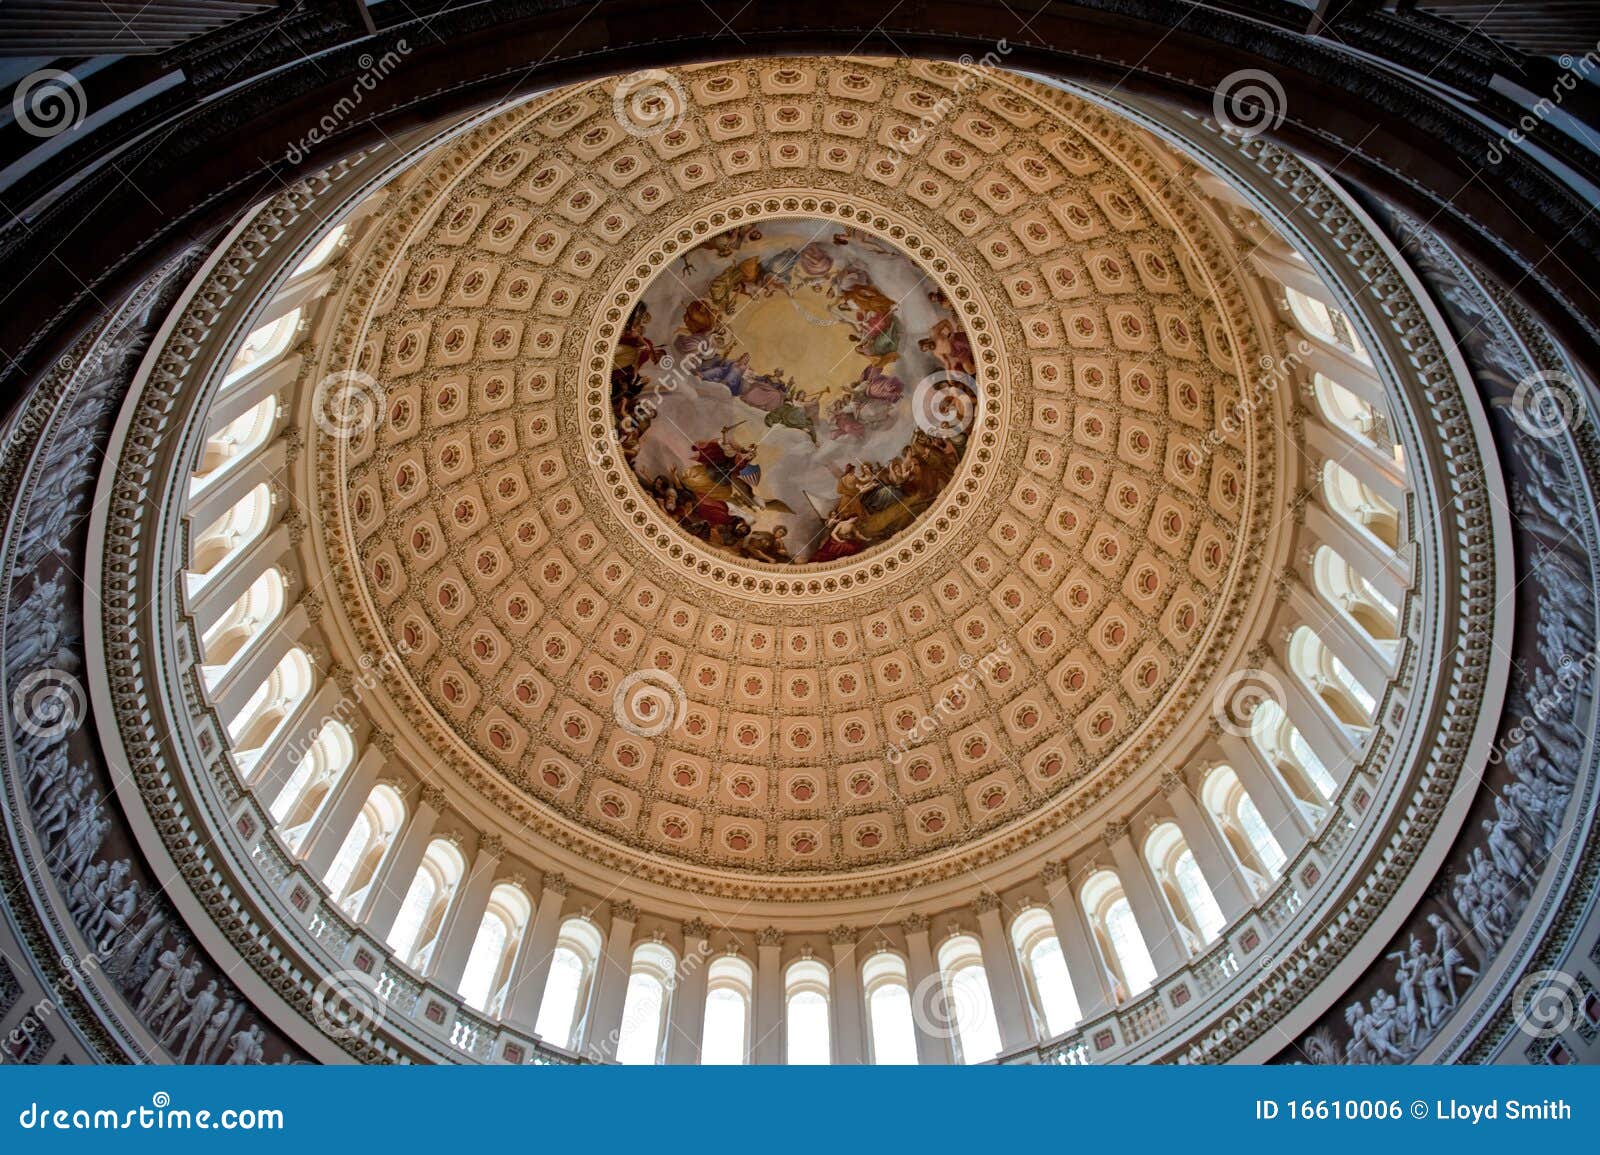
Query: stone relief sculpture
1498,861
181,999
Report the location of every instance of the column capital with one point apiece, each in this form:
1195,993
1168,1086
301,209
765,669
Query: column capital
1052,872
434,796
915,924
769,936
492,845
625,911
696,928
986,902
842,935
1115,831
1171,782
556,884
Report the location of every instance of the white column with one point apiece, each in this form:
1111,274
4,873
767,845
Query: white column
231,694
922,972
532,969
1216,864
1156,924
1278,806
1332,741
466,914
272,770
603,1029
1005,983
686,1023
1380,472
1361,656
395,877
219,595
214,502
1386,570
334,819
849,1042
768,1029
1088,976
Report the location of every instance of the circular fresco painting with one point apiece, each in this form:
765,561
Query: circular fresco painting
794,391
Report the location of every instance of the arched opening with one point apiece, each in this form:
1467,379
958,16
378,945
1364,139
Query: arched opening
806,1026
263,346
321,253
1287,751
234,443
1117,937
1356,417
1183,887
1330,680
1360,505
1044,968
651,979
1325,323
573,965
415,932
1243,828
269,709
730,993
1353,596
368,840
241,626
332,752
494,948
891,1029
228,537
969,1004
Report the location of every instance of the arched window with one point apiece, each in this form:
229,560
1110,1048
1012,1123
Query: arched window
806,1028
730,990
1116,933
416,928
233,443
1324,322
269,709
1357,418
263,346
1243,828
331,753
1352,595
1331,680
1044,968
1286,749
1184,888
368,840
320,253
483,983
968,1004
644,1010
244,622
566,991
229,536
891,1030
1360,505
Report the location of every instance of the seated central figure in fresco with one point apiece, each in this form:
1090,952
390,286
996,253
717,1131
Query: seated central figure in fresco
793,392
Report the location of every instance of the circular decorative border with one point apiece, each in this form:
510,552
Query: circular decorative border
916,546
